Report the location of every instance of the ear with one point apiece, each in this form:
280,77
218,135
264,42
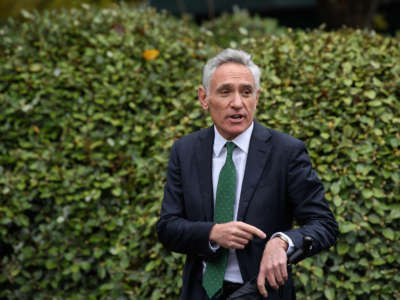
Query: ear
202,95
257,95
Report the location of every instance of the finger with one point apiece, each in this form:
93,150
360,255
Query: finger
238,229
281,270
252,230
271,280
284,272
261,284
239,246
278,272
240,241
240,233
278,276
237,243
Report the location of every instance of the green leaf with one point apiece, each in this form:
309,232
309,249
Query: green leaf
348,82
317,271
342,248
378,193
359,247
275,80
335,188
370,94
325,135
375,64
347,227
367,194
303,279
51,264
329,293
374,103
347,67
107,286
378,261
117,191
388,233
150,266
35,67
156,295
395,213
337,201
374,219
395,142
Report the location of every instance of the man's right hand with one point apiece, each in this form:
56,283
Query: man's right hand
234,234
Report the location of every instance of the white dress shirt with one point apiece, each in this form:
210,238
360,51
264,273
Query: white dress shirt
239,157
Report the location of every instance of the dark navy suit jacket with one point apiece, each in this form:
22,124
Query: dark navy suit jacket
279,186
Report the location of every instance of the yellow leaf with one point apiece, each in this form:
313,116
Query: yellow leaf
150,54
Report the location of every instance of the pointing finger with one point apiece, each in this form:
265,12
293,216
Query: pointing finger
253,230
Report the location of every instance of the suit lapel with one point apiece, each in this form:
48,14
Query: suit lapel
204,150
259,153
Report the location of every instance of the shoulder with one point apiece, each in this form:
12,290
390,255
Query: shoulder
190,141
285,139
192,137
277,138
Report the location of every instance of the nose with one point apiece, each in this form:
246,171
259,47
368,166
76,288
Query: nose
236,101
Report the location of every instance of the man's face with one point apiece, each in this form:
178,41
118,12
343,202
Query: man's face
232,99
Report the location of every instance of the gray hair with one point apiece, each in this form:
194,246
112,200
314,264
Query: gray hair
226,56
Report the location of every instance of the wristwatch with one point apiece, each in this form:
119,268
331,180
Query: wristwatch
283,238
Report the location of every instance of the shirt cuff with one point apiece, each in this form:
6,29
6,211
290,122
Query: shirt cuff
213,246
291,244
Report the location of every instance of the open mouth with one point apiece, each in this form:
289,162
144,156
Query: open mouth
237,117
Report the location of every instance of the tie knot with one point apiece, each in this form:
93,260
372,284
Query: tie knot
229,148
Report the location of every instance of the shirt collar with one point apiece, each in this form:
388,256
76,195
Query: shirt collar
242,141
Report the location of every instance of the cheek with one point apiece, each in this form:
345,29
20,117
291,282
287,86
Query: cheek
216,114
251,106
217,110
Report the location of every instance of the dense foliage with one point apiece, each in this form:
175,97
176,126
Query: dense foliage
91,102
14,7
235,29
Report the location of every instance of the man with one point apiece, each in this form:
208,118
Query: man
233,191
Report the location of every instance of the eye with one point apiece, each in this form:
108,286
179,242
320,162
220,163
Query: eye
225,92
247,92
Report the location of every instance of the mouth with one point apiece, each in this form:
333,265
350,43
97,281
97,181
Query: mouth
236,117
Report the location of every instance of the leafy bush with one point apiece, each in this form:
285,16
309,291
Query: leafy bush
14,7
91,102
339,92
235,29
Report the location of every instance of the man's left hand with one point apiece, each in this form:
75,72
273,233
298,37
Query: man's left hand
273,265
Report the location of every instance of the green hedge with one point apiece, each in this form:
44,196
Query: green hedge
88,118
235,29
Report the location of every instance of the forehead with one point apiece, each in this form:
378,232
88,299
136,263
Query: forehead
232,73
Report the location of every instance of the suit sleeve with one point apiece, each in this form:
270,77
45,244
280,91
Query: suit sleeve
175,231
310,209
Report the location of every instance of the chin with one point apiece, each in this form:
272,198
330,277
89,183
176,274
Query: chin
232,133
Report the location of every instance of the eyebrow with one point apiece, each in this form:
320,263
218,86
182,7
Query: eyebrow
229,86
246,86
224,86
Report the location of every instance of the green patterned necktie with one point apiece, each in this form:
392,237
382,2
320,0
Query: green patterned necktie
225,199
